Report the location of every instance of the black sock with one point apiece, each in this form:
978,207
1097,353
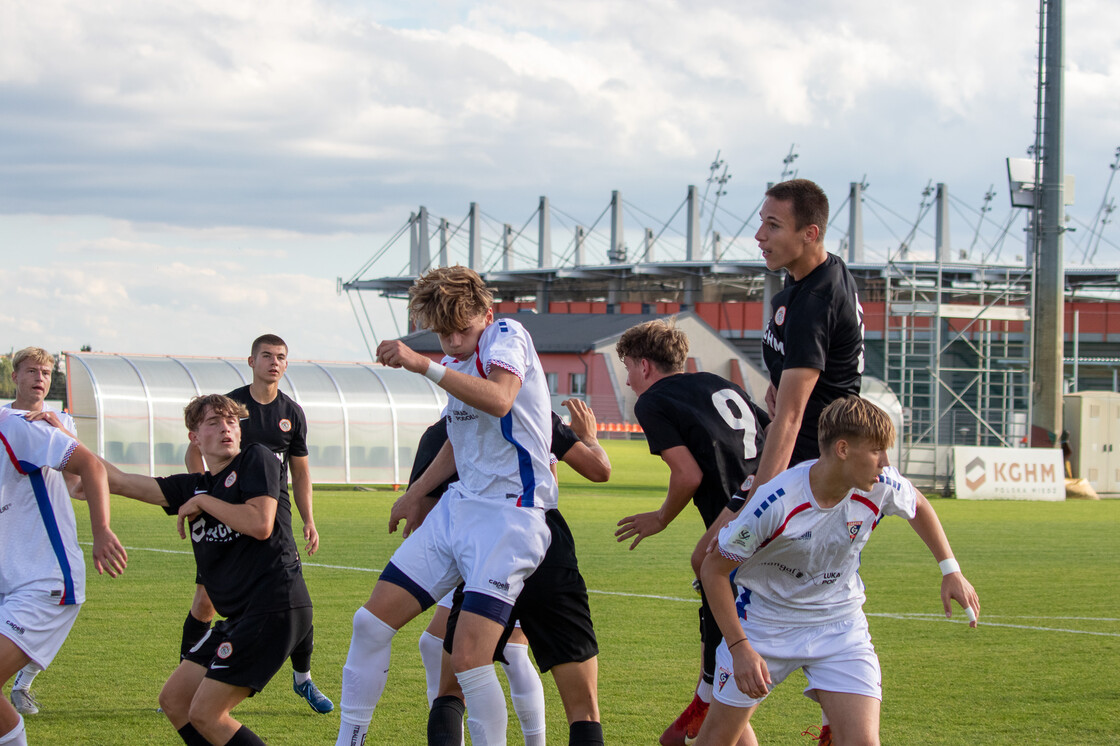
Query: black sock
585,733
193,632
245,737
301,655
192,737
445,721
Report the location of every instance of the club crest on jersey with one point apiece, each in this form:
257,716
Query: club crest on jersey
285,424
780,316
724,675
853,529
231,479
225,650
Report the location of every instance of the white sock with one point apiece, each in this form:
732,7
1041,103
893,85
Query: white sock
431,653
26,675
486,705
527,693
301,676
17,736
704,691
364,675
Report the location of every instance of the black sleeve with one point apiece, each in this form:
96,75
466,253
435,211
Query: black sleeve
260,473
657,423
807,333
563,437
177,489
298,445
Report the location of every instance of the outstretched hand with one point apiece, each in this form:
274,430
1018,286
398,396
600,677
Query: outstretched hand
641,526
412,509
583,419
396,354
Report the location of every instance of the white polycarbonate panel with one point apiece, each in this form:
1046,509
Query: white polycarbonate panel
364,420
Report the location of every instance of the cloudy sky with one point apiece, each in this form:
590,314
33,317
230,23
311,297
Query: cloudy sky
178,177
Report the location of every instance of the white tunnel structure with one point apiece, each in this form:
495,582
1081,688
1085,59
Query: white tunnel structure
363,420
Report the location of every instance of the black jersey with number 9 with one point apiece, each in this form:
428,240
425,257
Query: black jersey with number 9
716,421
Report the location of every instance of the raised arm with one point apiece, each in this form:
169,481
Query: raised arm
493,395
301,495
587,457
684,478
136,486
108,554
954,585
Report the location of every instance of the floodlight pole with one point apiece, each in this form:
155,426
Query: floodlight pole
1049,275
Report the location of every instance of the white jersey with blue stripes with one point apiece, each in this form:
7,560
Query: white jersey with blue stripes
800,562
505,458
39,549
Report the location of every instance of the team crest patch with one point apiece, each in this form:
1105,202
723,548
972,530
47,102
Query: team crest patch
231,479
853,529
225,650
724,675
780,316
285,424
747,484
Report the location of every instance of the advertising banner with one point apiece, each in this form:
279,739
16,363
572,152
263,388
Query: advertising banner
1008,473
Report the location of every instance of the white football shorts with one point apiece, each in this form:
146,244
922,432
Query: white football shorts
837,657
37,624
491,545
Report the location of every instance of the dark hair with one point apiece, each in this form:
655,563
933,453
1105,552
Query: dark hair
267,339
810,204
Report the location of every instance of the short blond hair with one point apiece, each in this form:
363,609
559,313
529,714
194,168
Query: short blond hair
195,412
853,418
36,355
660,341
447,299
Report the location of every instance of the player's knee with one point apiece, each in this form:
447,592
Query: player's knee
370,634
856,734
174,706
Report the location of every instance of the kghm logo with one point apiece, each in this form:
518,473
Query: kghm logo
976,473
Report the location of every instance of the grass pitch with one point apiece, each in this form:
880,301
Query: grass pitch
1042,667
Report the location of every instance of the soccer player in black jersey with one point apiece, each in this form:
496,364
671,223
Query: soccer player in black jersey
813,343
247,561
278,423
553,608
710,434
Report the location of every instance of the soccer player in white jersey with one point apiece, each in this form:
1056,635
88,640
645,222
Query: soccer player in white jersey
489,530
794,552
32,370
42,571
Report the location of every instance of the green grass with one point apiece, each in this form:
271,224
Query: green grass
1042,668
